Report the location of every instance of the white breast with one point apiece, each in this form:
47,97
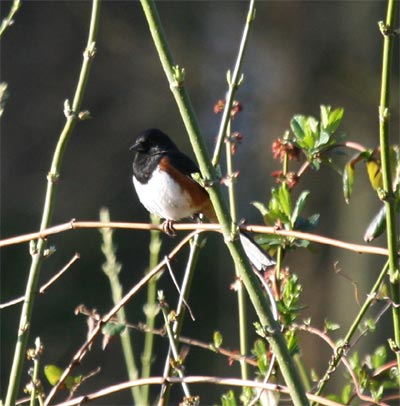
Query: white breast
161,195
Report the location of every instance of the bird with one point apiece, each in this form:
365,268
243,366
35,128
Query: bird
164,182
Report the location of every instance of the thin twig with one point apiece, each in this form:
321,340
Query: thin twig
233,355
44,287
158,380
75,225
128,296
345,361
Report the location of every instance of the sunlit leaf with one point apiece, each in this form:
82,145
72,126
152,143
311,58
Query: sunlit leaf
335,118
112,329
285,200
299,206
331,326
217,339
346,393
298,124
323,139
374,174
260,207
348,181
53,374
379,357
228,399
377,226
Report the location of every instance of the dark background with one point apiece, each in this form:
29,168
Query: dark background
300,55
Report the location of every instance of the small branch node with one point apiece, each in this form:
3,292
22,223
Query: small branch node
90,52
178,73
53,177
68,112
386,30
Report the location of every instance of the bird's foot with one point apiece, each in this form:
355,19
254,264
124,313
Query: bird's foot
168,228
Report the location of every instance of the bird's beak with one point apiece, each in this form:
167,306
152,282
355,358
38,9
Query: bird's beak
137,146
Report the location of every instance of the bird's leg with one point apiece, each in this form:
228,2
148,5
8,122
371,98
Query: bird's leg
168,228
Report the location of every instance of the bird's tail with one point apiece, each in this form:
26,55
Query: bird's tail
257,256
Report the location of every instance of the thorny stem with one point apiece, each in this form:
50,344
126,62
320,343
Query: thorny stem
387,30
52,179
175,76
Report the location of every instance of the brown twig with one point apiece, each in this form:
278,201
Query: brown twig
191,380
46,285
143,328
74,225
128,296
345,361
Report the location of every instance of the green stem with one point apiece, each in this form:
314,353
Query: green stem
195,245
9,19
173,349
52,179
35,375
260,302
112,269
341,350
243,339
151,307
387,30
234,82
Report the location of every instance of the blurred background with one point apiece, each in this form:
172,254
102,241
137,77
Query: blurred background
300,54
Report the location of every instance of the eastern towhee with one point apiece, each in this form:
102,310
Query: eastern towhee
162,176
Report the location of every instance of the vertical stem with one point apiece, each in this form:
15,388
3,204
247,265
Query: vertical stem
261,304
52,178
195,245
151,307
243,339
112,268
234,82
387,30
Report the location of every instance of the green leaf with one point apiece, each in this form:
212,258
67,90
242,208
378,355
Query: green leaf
334,120
331,326
313,375
299,206
348,181
346,394
377,393
374,174
217,339
379,357
228,399
322,140
112,329
298,124
377,225
53,374
324,113
285,200
260,207
260,352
